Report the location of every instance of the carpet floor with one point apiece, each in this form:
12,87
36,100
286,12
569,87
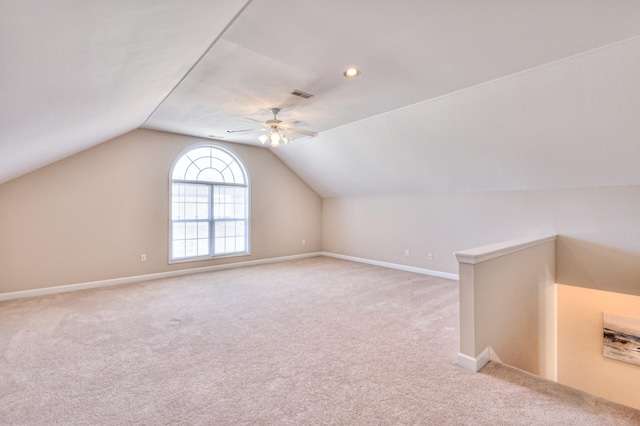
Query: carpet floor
311,341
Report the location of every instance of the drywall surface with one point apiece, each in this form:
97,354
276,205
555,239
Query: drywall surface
89,217
512,294
581,364
567,124
598,229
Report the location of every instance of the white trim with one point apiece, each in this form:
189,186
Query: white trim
475,364
138,278
494,356
469,363
422,271
147,277
482,254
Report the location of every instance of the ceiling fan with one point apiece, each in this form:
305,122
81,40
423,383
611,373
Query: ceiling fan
278,130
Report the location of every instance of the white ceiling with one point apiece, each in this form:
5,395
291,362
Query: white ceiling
420,118
75,73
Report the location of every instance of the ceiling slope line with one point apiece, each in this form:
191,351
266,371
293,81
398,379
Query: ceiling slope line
495,80
195,64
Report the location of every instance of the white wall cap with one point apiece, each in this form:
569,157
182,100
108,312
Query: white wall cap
482,254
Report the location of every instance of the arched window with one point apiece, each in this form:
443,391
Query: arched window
209,204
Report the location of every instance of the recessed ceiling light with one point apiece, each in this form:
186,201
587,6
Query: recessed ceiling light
352,73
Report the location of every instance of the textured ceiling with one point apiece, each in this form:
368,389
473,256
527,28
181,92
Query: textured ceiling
453,96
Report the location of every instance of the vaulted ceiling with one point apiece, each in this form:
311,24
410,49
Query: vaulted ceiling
453,96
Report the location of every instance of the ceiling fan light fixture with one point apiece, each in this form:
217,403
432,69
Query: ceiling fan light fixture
352,73
275,139
278,131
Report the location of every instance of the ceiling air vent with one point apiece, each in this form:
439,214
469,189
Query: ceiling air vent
302,94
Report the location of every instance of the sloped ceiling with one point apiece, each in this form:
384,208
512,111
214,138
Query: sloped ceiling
453,96
74,73
573,123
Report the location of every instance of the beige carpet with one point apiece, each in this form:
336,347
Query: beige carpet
314,341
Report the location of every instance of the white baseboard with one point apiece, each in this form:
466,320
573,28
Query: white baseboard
422,271
475,364
147,277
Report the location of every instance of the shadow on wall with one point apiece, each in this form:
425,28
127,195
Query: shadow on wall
582,263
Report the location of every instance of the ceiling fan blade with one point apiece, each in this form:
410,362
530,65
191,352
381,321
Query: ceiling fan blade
256,121
245,131
288,123
302,132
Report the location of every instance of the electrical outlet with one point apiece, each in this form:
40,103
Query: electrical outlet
406,253
430,256
143,258
304,242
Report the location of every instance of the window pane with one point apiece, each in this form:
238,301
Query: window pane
192,172
231,229
221,196
177,193
203,151
180,169
203,230
210,175
176,190
239,195
191,248
176,212
192,230
228,175
229,203
230,245
190,211
224,157
178,249
219,246
238,176
218,164
229,211
231,195
203,211
219,229
203,163
179,231
240,244
191,193
203,193
239,211
203,247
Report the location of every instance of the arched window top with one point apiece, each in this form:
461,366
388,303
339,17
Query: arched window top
208,164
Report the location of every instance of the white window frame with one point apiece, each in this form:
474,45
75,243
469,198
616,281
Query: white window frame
212,184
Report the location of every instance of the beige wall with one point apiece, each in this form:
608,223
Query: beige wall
598,228
507,302
90,216
581,364
598,247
